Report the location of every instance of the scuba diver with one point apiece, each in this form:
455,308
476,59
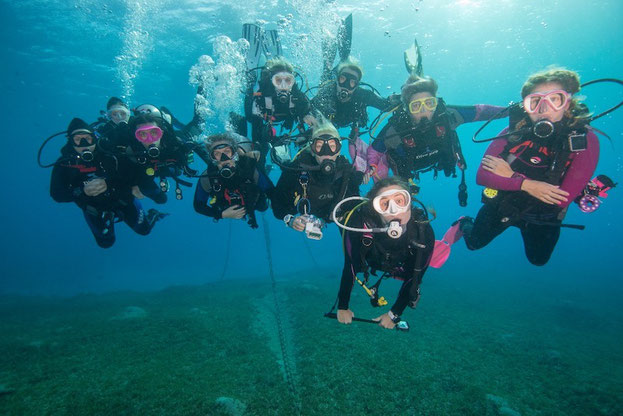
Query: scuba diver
117,112
189,133
384,233
278,101
150,143
344,102
97,182
232,186
421,135
534,169
311,184
341,97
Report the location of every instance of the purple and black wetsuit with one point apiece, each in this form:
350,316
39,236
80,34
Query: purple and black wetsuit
538,222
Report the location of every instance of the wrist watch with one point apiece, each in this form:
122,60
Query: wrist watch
288,219
395,318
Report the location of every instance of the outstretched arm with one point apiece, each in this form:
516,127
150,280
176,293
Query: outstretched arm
352,266
470,113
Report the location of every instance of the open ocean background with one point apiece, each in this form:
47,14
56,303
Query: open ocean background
163,324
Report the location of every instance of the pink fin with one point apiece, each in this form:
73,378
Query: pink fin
442,249
454,233
441,252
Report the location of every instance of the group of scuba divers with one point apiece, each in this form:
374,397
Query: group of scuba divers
532,171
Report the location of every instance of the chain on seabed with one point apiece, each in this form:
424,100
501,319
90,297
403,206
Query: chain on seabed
287,360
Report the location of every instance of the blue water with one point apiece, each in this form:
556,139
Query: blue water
547,339
62,59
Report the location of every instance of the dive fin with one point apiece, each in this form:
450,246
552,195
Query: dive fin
153,216
271,44
238,123
413,60
345,37
329,50
253,34
441,250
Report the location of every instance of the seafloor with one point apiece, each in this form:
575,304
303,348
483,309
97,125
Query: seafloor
480,348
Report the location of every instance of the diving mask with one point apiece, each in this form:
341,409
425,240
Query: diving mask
392,202
423,104
539,102
82,138
326,145
223,152
118,114
347,81
283,81
393,229
148,134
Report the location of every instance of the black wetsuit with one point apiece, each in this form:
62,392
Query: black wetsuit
352,112
322,191
173,161
264,111
405,258
67,185
248,188
106,129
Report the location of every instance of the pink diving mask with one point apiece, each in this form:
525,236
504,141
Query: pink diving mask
148,134
555,99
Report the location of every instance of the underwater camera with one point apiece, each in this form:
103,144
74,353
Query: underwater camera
313,227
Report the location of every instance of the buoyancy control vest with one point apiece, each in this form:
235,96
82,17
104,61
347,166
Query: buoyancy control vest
545,160
436,147
321,191
380,252
241,189
271,111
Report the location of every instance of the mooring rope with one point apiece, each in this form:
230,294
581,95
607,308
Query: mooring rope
227,252
282,337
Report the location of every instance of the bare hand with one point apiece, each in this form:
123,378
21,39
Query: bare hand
235,212
95,187
345,316
545,192
137,193
497,166
385,321
298,223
